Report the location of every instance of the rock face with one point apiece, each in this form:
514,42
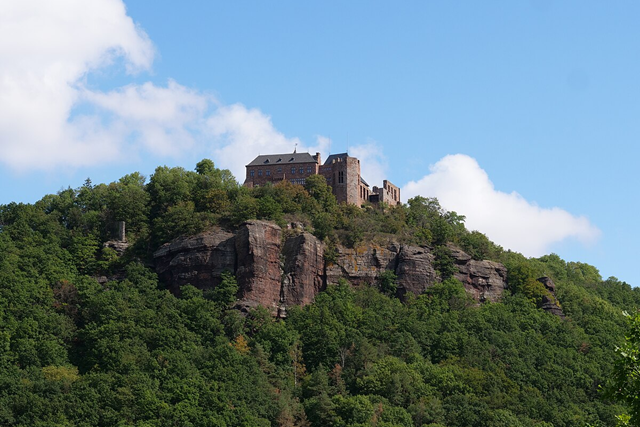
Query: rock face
197,260
415,270
484,280
259,273
277,274
363,264
120,246
548,284
549,302
303,269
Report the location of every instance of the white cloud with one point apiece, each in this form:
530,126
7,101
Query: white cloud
47,49
241,133
506,218
244,133
373,165
166,119
50,117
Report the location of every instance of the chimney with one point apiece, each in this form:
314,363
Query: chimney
318,158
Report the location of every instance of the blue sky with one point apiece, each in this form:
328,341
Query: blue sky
521,115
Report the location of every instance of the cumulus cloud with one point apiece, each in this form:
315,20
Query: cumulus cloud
242,133
47,49
51,117
461,185
373,165
165,118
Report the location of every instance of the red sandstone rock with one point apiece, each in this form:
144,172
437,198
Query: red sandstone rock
484,280
197,260
259,273
276,276
303,269
363,264
415,270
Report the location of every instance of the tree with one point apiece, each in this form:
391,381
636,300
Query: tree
316,186
205,167
625,385
388,283
225,293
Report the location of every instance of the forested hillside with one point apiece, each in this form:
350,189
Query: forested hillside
77,351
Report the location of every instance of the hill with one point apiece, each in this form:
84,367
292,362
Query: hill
90,336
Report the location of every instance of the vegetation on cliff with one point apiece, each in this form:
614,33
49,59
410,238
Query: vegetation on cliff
75,351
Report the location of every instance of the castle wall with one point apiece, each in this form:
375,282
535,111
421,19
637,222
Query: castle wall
343,176
296,173
341,171
389,193
364,193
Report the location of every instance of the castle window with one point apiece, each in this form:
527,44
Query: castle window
259,172
279,170
309,169
293,170
267,172
301,170
251,173
341,177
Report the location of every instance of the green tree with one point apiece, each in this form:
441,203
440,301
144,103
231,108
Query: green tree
625,382
225,294
388,283
522,279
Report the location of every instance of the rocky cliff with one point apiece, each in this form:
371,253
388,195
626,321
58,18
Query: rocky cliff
278,272
197,260
549,302
484,280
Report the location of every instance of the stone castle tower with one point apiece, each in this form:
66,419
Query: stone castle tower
341,171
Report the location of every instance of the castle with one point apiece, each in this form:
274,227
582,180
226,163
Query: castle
341,171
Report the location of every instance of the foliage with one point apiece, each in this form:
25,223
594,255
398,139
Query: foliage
225,293
388,283
625,384
125,351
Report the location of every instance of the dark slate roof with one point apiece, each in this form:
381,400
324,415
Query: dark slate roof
335,156
364,182
289,158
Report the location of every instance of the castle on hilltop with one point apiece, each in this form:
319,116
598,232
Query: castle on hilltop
341,171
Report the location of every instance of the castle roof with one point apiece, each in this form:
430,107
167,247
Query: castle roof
333,157
280,159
